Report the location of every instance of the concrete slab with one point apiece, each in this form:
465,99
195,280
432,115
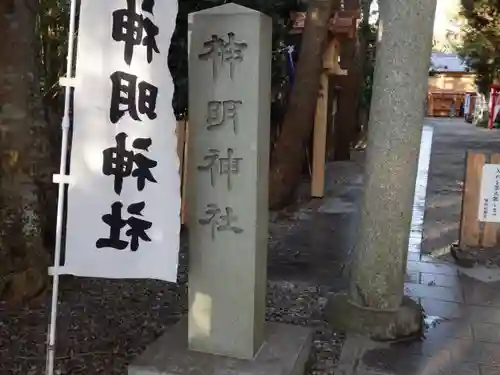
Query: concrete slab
481,273
285,352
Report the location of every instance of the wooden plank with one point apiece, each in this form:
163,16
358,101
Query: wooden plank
491,229
319,142
469,224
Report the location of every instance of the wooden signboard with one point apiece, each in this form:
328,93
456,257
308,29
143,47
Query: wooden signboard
480,220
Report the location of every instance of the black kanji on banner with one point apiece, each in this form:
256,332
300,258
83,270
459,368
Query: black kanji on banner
134,29
137,227
119,162
137,98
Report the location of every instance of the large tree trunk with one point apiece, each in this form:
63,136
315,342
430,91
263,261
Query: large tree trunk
23,259
289,153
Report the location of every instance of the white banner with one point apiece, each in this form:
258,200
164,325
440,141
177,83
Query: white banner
124,195
489,199
467,104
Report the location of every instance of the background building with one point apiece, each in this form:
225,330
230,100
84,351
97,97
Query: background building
449,81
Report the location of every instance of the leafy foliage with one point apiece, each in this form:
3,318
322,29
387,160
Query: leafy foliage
370,34
53,30
52,25
279,11
480,48
367,43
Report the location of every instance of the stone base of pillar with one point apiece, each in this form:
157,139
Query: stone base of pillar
406,323
285,352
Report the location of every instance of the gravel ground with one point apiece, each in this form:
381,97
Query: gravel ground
104,324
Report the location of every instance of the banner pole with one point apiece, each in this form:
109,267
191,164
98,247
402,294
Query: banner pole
65,124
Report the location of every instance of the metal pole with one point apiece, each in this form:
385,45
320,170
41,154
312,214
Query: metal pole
60,199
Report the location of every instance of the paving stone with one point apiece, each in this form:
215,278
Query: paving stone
481,314
479,293
454,310
433,368
445,329
412,277
463,337
475,352
437,268
426,348
352,349
486,332
436,292
481,273
433,279
389,361
487,370
429,259
414,256
442,309
438,366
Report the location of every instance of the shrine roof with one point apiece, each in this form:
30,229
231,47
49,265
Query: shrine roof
442,62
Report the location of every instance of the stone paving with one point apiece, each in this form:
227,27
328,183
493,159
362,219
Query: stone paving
462,306
451,139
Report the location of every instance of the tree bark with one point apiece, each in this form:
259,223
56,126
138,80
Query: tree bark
289,153
23,259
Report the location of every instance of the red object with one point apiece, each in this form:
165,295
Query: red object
494,102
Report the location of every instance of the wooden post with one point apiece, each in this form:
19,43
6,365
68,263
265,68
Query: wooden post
331,67
469,224
432,105
319,142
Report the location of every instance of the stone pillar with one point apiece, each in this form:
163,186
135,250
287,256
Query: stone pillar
229,117
395,128
230,55
394,133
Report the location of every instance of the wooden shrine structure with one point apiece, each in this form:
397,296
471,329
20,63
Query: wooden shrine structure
336,110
